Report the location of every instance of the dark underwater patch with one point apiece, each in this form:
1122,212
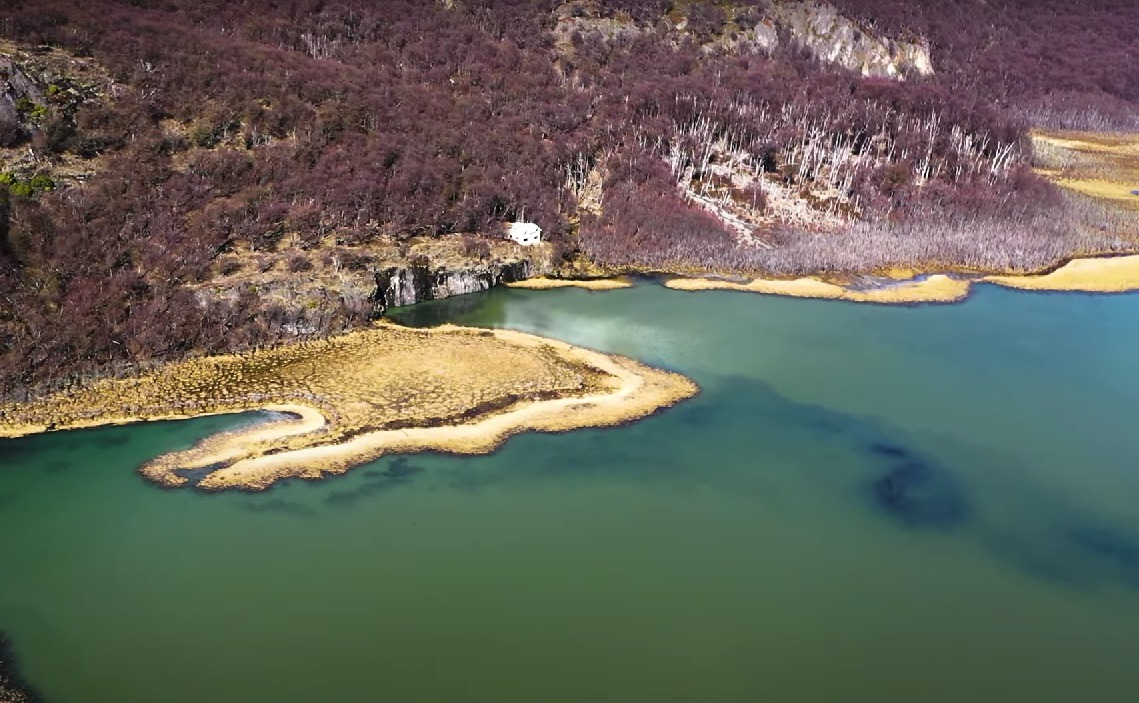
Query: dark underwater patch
919,494
111,439
398,473
889,450
1114,550
59,466
276,505
13,451
195,476
909,487
1083,557
1108,544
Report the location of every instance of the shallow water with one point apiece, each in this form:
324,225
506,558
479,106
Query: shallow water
864,504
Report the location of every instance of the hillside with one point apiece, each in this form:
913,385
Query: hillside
180,177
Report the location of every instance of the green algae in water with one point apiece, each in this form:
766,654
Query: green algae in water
864,504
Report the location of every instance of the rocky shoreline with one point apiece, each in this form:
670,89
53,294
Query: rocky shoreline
12,688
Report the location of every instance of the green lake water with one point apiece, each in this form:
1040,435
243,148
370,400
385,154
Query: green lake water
868,504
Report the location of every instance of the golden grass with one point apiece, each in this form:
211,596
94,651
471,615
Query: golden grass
1111,275
934,289
361,395
596,284
1101,188
1104,166
1098,275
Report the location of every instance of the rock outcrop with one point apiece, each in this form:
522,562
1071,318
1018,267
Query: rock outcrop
831,37
12,689
812,24
18,92
406,285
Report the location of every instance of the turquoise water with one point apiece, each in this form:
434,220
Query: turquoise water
865,503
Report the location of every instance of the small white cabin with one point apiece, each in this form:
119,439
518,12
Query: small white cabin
524,233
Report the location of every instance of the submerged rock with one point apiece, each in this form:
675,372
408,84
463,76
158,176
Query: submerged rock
916,492
1112,547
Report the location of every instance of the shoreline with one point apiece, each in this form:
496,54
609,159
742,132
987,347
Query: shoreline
13,689
1106,274
352,398
938,288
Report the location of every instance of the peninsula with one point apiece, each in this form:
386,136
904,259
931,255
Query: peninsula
348,399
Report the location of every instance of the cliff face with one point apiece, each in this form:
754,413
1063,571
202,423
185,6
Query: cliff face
406,285
830,37
16,86
330,293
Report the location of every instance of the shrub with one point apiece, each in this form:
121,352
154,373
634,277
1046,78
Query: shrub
299,263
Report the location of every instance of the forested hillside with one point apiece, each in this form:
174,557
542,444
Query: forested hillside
162,158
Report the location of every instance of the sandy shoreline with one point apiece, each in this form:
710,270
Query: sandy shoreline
597,284
355,397
1118,274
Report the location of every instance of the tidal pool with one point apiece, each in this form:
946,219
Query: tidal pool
865,503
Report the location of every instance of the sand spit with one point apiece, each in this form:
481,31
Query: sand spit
352,398
933,289
1117,274
1111,275
597,284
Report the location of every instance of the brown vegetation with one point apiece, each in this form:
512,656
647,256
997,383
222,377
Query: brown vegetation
225,143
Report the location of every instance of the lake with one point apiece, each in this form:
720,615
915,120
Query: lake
865,503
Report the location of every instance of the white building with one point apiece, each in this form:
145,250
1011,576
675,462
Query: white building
525,233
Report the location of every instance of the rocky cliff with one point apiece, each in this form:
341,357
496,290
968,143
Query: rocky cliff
332,290
831,37
409,284
814,25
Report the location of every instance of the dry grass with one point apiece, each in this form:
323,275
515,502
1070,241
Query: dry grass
597,284
1099,275
1104,166
360,395
934,289
1113,275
